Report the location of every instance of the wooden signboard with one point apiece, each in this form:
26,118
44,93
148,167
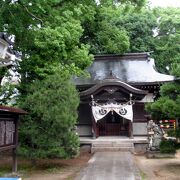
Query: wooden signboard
7,134
9,131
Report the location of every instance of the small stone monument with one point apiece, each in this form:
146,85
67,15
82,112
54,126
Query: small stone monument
155,135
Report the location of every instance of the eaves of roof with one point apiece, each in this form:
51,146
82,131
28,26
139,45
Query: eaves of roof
12,110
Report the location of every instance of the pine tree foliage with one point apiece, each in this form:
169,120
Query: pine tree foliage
49,130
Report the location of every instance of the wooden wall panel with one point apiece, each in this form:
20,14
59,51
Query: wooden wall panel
139,112
85,114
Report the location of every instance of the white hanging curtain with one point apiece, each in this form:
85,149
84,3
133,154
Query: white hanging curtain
101,110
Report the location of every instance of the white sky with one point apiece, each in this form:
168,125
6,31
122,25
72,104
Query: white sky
165,3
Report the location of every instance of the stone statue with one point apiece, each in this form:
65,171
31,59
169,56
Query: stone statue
155,135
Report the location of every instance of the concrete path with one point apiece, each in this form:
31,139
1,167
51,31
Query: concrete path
110,166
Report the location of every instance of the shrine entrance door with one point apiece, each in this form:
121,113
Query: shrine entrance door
113,125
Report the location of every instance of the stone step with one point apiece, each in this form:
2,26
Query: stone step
111,149
112,146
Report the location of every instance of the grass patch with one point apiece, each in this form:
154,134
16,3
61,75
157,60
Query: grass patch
4,170
22,169
53,169
143,175
25,168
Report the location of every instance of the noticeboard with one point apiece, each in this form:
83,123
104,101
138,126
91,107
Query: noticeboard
7,134
9,117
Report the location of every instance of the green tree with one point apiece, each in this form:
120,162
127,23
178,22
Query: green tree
167,38
47,33
49,129
168,104
139,26
167,54
101,33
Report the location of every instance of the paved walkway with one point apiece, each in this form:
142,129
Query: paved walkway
110,166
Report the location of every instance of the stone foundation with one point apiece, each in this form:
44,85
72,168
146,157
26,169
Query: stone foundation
140,148
157,154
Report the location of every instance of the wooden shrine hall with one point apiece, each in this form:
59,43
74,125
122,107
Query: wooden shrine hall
113,96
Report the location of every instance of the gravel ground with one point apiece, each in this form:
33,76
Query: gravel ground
159,169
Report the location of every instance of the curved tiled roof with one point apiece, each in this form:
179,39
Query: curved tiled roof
132,68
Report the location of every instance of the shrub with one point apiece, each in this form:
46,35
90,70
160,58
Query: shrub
171,133
174,133
167,146
178,133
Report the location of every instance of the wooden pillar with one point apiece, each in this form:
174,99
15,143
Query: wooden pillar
14,160
94,127
14,155
131,129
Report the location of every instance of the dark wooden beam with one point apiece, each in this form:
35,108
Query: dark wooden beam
94,127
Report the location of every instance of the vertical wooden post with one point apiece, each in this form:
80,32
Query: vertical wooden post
94,129
14,160
14,155
131,129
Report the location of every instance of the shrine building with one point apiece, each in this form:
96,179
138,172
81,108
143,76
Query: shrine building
113,96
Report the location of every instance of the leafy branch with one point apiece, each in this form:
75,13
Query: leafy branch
31,14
